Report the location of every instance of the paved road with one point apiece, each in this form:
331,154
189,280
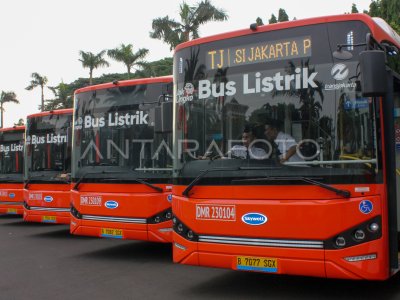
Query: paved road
42,261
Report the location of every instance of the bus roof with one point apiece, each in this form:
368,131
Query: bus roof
161,79
379,28
52,112
13,128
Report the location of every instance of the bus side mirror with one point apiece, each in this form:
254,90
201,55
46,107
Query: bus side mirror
163,117
373,73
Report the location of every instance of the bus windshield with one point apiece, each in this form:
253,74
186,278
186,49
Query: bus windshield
115,133
287,91
11,155
48,144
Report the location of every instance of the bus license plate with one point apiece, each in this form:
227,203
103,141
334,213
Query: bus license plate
12,211
111,233
258,264
49,219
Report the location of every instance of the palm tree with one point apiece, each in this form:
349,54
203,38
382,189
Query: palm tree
38,80
63,97
173,32
6,97
92,61
125,55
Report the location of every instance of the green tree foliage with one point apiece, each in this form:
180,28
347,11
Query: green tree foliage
282,15
20,122
64,92
38,80
175,32
6,97
126,55
354,9
273,19
92,61
389,10
63,97
161,67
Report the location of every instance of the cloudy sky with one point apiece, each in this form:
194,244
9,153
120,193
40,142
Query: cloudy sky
45,36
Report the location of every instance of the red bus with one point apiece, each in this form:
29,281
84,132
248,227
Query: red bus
48,167
122,160
11,166
318,196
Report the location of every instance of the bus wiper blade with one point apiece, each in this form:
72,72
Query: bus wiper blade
158,189
79,181
26,184
343,193
201,175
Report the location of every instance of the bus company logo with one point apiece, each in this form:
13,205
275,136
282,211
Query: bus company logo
254,219
340,71
78,123
35,196
366,206
186,93
169,198
11,195
115,119
13,148
111,204
50,138
48,199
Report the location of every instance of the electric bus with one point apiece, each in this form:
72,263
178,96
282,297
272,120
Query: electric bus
122,160
328,88
11,166
48,167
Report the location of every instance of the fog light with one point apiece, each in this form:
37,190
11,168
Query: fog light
340,241
157,219
168,215
190,234
180,227
359,235
374,227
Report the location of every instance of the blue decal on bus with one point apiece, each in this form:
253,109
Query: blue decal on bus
48,199
111,204
366,206
254,218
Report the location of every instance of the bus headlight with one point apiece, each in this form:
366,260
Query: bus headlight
373,227
359,235
340,241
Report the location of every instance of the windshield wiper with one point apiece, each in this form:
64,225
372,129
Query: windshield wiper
79,181
343,193
75,188
201,175
158,189
9,179
26,184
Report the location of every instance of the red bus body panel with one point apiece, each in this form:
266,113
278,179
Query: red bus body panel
134,202
48,203
314,214
11,198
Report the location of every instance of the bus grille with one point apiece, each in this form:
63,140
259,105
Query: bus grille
262,242
54,209
114,219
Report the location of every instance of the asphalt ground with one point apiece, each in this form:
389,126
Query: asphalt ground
43,261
